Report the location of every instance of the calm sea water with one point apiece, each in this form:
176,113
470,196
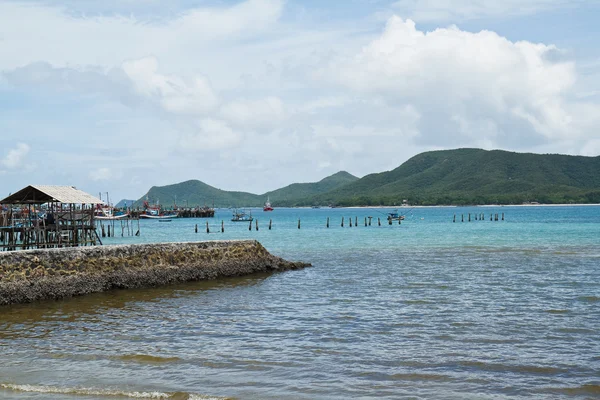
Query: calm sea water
426,309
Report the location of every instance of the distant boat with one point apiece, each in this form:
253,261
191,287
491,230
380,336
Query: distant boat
155,212
394,216
108,214
267,206
241,216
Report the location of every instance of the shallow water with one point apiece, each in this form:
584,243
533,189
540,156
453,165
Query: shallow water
425,309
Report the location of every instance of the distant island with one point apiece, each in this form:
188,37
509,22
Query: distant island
445,177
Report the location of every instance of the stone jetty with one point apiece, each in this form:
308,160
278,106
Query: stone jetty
32,275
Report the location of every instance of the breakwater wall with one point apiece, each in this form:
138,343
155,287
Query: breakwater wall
32,275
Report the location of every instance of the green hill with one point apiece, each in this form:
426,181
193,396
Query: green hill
194,192
474,176
124,203
294,193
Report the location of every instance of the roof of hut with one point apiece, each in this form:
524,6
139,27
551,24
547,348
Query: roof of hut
40,194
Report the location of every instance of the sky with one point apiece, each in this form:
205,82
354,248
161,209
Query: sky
120,95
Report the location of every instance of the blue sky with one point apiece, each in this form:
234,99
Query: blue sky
253,95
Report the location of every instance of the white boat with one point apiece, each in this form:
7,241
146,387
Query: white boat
155,212
241,216
160,217
108,214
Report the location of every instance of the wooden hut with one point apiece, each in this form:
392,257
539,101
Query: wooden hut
46,217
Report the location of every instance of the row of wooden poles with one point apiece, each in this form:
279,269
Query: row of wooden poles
367,223
480,217
126,227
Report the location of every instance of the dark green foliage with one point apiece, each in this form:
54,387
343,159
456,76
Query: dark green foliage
289,195
474,176
445,177
199,193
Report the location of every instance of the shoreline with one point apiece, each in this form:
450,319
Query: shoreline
478,205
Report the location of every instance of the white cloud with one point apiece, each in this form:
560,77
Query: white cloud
209,134
469,85
15,158
61,38
105,174
261,112
172,93
460,10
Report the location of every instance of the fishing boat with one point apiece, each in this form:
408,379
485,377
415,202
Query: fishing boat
109,214
394,216
241,216
155,212
268,206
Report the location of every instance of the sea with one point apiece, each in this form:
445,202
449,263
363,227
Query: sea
425,309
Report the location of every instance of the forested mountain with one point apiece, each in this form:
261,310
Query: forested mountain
194,192
475,176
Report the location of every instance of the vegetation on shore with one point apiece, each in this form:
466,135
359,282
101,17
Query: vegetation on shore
196,193
445,177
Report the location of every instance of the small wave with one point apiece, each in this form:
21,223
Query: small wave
590,299
528,369
583,390
418,301
420,377
557,311
145,358
107,392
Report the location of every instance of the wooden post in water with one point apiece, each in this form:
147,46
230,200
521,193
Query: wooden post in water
399,220
270,222
328,222
502,216
365,221
370,221
356,222
108,230
469,217
462,216
222,226
196,229
298,223
342,222
102,228
350,222
207,229
256,224
491,217
454,219
250,227
378,221
390,220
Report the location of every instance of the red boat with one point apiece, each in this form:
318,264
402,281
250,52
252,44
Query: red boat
267,206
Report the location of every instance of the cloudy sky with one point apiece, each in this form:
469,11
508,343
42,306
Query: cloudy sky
120,95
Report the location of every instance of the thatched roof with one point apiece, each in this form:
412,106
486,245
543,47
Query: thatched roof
40,194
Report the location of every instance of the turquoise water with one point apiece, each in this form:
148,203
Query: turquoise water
425,309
